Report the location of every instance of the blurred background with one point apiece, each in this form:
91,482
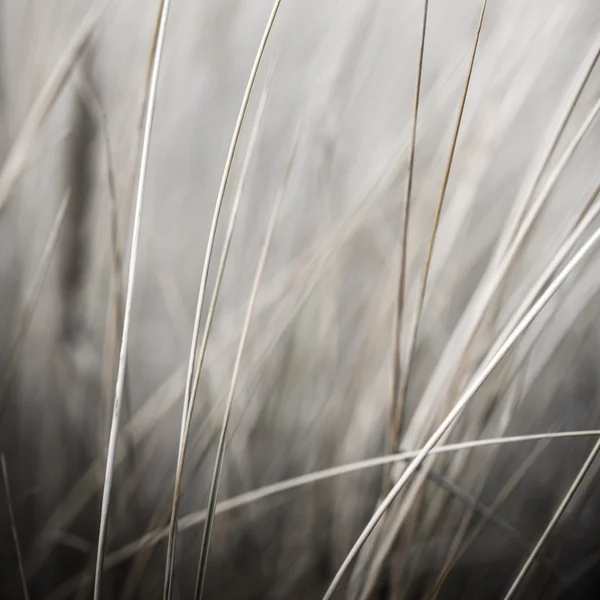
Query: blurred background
328,132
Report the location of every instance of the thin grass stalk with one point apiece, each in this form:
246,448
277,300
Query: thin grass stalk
120,383
204,344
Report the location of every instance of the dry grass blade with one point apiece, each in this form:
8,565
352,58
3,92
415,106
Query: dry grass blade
13,526
508,248
463,401
531,184
555,517
442,204
219,203
405,375
438,210
17,158
368,201
537,206
387,544
506,331
190,399
192,520
511,253
114,428
397,399
566,247
190,386
116,261
214,485
31,300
